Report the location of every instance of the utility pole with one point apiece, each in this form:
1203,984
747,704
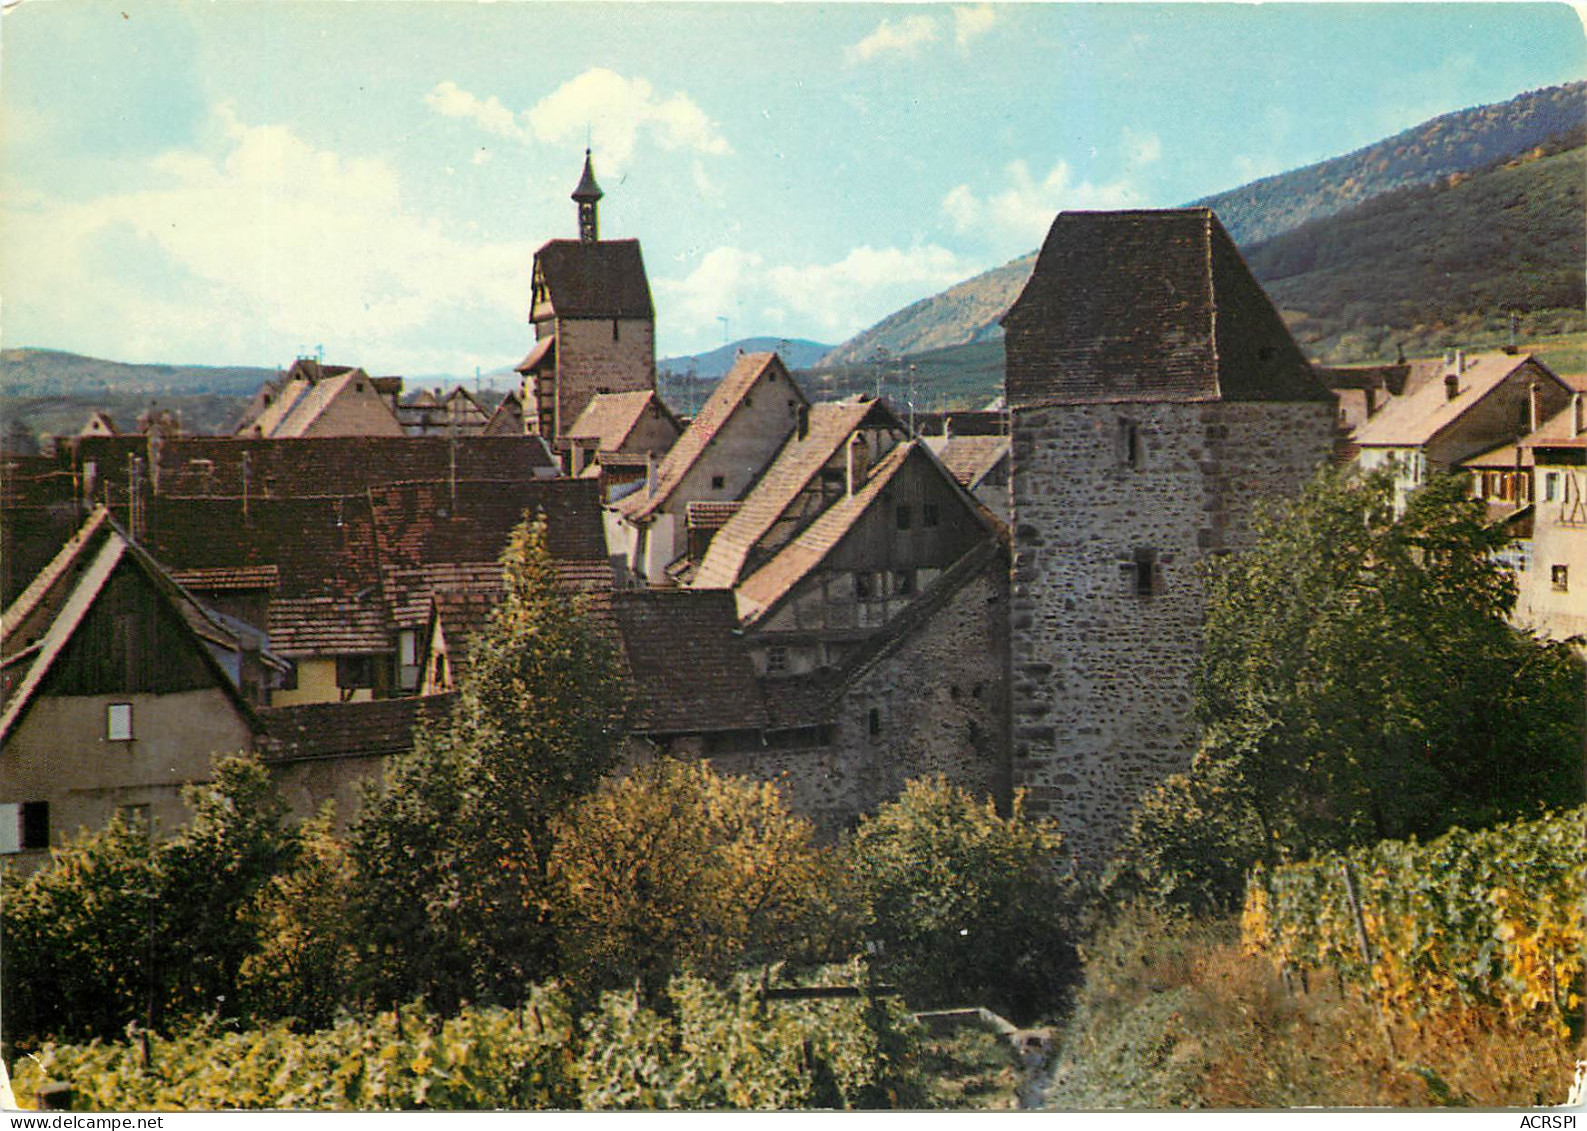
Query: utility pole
722,318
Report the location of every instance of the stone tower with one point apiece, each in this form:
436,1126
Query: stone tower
595,325
1155,396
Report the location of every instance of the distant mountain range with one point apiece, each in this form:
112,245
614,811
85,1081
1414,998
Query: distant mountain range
43,372
797,353
1447,146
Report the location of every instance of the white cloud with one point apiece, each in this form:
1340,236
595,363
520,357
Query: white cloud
1018,216
845,296
723,279
489,114
616,110
251,247
1141,148
968,23
903,37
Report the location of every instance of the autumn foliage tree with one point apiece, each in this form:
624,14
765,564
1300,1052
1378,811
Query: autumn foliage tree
675,868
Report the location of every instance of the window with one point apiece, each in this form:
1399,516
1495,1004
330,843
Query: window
1559,578
1551,487
862,586
118,722
905,516
24,825
1129,444
904,582
874,722
358,386
1141,570
718,482
407,659
776,659
355,672
617,335
929,515
288,680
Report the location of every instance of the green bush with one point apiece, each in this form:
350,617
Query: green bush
969,907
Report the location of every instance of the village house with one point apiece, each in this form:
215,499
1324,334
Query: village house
313,401
698,485
119,689
594,324
1475,403
619,436
1156,397
431,412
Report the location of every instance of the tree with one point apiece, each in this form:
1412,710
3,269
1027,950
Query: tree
1361,681
213,873
969,907
77,935
674,868
464,827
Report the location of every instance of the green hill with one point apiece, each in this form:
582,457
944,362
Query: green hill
1459,143
41,372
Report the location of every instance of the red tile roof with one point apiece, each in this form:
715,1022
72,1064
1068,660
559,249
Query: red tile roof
1147,306
1421,414
603,279
969,458
791,473
608,418
690,670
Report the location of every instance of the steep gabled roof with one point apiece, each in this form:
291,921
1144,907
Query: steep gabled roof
1148,306
600,279
970,458
831,423
41,623
1424,412
608,418
725,399
760,594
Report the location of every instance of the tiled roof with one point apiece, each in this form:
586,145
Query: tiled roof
773,581
1148,306
608,418
710,514
831,423
603,279
724,400
1419,415
537,356
379,727
507,420
199,465
229,577
969,458
1558,431
690,670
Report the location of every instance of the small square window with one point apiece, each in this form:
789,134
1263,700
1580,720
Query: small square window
929,515
776,659
1559,578
118,722
862,586
906,517
718,482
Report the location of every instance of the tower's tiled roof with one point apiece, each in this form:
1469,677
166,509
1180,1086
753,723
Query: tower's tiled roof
600,279
1148,306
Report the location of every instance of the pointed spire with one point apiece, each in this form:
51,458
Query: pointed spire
586,196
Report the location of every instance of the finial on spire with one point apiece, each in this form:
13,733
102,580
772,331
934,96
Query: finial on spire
586,196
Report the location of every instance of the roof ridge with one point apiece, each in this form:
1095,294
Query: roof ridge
45,579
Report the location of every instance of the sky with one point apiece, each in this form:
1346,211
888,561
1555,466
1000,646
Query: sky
240,182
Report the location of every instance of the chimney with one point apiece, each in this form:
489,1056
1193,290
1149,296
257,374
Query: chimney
1578,420
1534,407
859,462
1451,386
90,481
650,473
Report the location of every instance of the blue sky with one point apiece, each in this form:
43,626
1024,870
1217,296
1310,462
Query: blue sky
230,182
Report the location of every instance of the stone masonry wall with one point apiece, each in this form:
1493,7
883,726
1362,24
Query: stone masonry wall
1101,672
591,360
941,707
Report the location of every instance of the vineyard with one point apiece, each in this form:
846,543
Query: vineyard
1492,919
716,1048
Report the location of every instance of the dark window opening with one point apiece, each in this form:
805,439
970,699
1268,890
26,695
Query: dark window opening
874,722
862,585
929,515
1144,568
776,659
616,333
1559,578
355,672
1129,443
905,516
718,482
35,824
904,582
288,680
